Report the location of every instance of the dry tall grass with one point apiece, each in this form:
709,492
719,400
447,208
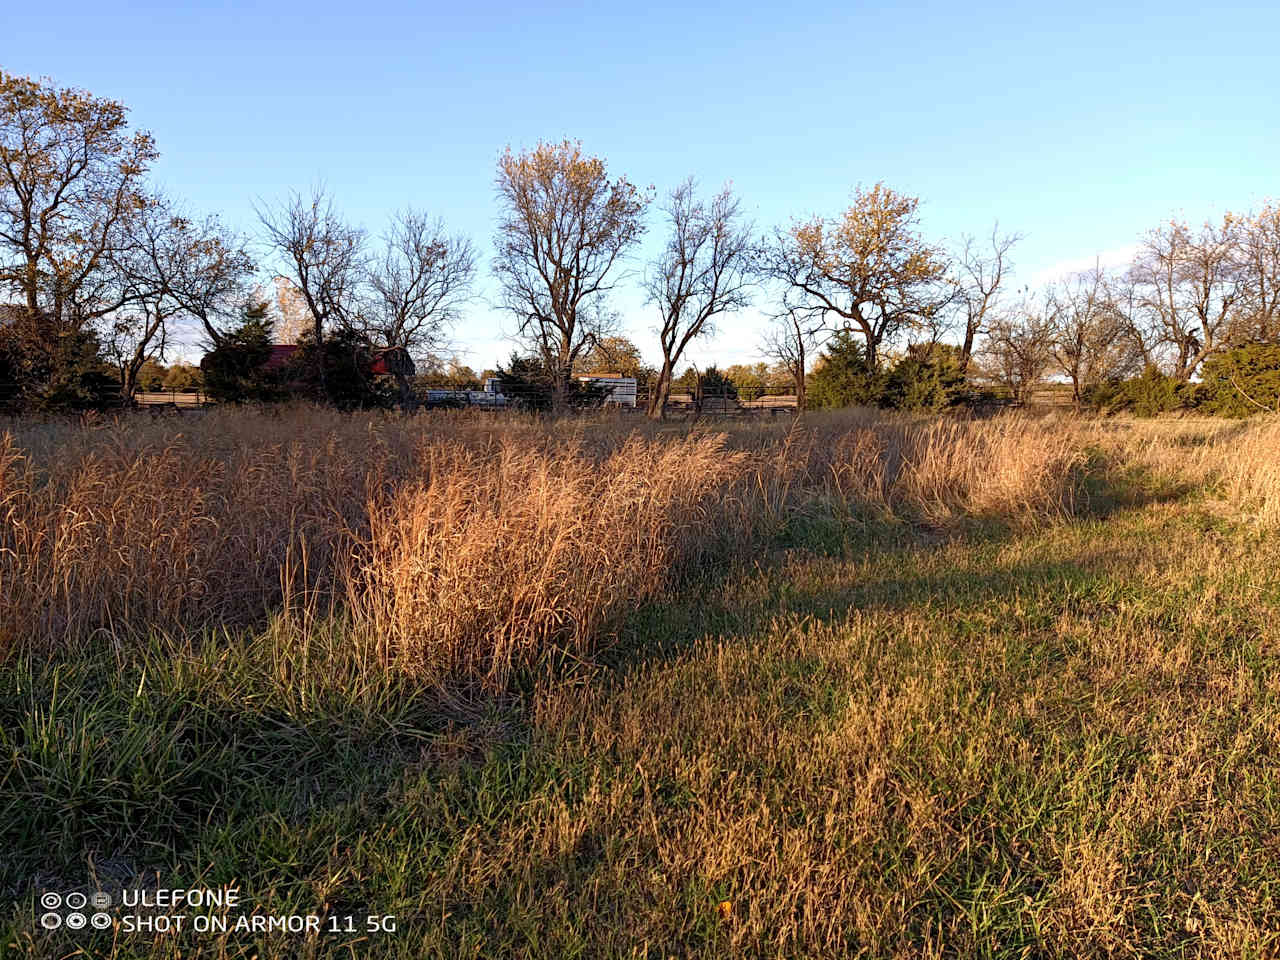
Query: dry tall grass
1240,458
940,468
498,554
467,545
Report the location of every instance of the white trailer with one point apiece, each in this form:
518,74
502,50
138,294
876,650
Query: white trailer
622,390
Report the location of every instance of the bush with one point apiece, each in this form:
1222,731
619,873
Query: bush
715,383
1148,395
925,380
184,377
1104,395
842,377
10,373
348,384
63,373
151,376
236,370
1241,382
527,381
70,374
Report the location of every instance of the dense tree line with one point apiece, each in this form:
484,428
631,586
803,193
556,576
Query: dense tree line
99,269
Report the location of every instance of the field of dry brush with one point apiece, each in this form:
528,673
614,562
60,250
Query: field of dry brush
859,685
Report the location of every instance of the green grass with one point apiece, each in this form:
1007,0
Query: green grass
870,740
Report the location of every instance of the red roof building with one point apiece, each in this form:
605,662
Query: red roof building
280,354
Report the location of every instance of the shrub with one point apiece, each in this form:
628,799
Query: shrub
925,380
1149,395
528,381
236,371
1104,395
348,385
716,383
54,372
183,376
10,372
1241,382
842,377
151,375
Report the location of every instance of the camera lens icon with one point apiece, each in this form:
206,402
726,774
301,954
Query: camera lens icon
76,901
100,900
100,921
51,900
76,921
51,921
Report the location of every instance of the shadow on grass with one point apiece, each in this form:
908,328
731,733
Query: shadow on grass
196,762
705,607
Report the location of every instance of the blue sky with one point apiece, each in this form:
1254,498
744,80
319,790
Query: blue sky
1079,127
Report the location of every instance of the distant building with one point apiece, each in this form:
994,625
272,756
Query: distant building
280,355
622,392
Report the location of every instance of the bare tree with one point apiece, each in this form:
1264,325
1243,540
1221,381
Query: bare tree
788,341
1091,337
980,270
172,268
1019,349
324,258
139,330
868,270
1191,289
564,228
290,317
205,271
705,269
403,300
416,290
1260,268
1125,296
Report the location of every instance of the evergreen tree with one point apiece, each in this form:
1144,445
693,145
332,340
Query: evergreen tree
236,370
926,379
337,371
1242,381
842,377
529,382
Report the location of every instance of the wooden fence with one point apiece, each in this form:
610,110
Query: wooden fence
172,398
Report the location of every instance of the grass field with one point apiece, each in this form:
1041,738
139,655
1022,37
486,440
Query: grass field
868,686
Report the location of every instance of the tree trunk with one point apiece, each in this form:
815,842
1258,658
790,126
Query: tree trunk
661,391
321,375
966,351
408,403
560,391
128,385
799,375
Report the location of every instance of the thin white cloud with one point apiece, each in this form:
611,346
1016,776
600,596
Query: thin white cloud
1107,259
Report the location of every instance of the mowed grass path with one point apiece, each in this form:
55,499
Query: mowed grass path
874,740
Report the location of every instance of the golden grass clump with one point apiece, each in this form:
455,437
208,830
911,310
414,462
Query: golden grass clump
495,556
1250,469
939,468
144,531
1240,459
